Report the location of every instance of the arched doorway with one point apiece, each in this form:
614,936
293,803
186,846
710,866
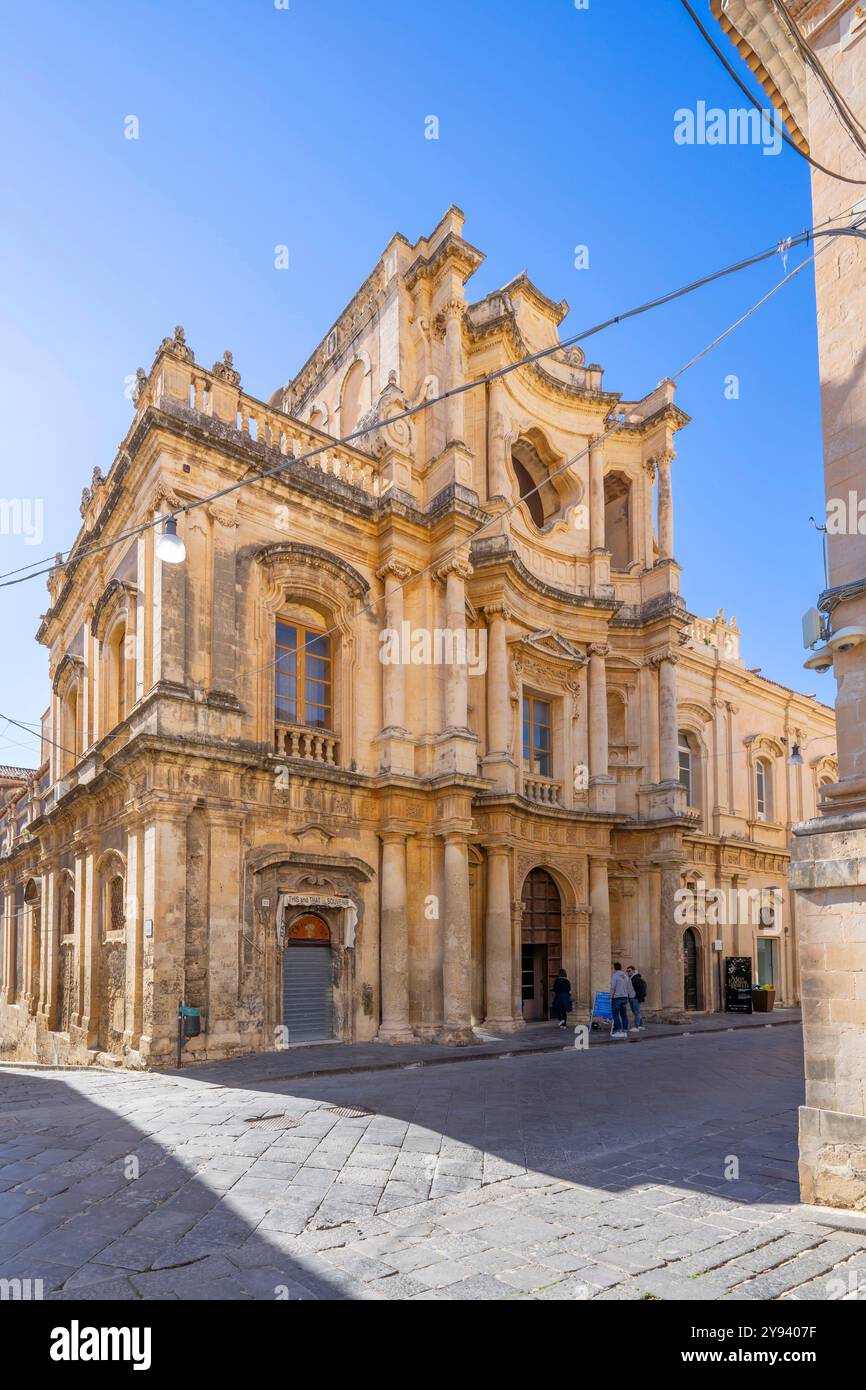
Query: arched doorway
308,980
691,980
541,943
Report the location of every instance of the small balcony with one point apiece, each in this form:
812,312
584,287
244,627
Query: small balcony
306,744
542,790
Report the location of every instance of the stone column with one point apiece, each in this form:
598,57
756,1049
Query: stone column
454,573
649,513
600,962
668,719
598,734
223,630
596,496
499,763
164,901
601,784
650,719
225,870
394,941
452,313
671,942
666,507
87,912
499,483
457,938
394,576
499,964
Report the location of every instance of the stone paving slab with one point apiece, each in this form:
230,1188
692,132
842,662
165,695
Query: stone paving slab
563,1176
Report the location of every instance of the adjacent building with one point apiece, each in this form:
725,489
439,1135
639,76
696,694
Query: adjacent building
811,57
419,720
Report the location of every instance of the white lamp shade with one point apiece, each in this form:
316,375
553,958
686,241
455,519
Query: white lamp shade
169,546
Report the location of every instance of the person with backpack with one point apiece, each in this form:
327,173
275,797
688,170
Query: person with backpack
638,984
562,1004
620,992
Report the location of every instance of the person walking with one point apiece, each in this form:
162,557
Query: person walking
562,1001
638,984
621,992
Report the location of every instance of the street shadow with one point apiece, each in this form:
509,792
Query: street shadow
94,1206
712,1114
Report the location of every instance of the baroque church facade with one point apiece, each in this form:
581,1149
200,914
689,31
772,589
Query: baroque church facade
420,719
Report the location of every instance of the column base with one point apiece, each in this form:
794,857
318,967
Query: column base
501,769
397,751
504,1025
457,751
395,1033
455,1035
832,1158
602,793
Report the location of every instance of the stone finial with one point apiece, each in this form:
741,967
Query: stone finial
96,479
178,346
225,370
140,386
85,500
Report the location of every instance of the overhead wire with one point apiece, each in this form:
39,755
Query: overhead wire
11,578
822,168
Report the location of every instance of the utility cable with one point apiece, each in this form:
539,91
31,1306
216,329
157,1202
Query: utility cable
73,556
822,169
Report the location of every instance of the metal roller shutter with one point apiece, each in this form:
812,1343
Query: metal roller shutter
308,993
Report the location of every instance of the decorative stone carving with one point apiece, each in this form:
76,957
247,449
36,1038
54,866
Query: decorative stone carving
177,346
225,370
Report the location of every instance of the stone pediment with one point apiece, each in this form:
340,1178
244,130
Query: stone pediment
312,836
551,645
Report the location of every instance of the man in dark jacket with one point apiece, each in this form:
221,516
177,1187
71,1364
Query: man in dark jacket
638,984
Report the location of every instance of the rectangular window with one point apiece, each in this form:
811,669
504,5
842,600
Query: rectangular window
686,771
537,755
302,676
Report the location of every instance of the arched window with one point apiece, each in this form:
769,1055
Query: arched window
33,902
69,740
533,482
616,719
763,790
116,903
303,677
350,400
317,420
117,676
686,770
617,520
689,754
67,907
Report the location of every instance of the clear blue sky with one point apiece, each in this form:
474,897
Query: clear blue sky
261,126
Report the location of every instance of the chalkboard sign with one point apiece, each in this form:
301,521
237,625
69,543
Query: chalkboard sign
738,984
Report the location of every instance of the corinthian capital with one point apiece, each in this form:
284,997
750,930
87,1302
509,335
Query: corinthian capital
453,309
598,649
665,459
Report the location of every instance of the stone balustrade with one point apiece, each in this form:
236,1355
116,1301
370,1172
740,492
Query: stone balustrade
219,397
306,744
542,790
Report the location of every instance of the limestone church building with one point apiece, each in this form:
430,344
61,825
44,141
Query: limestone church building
417,722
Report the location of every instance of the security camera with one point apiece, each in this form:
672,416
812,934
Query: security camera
820,660
847,638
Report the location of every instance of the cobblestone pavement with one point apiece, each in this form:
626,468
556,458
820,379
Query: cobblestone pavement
566,1175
